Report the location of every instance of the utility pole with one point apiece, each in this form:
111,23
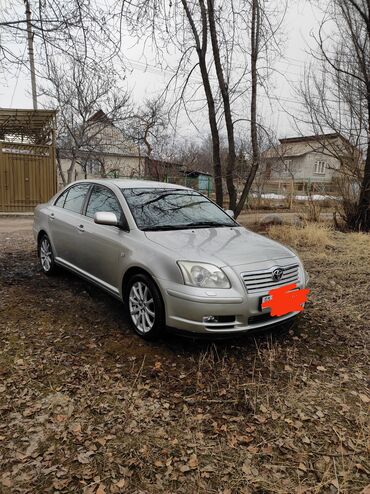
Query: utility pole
30,53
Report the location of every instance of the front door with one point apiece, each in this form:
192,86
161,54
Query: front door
103,244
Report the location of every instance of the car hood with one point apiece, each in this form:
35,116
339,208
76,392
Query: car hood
229,246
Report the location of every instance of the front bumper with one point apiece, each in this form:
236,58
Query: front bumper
238,310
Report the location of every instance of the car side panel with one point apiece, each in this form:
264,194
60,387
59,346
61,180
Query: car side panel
65,235
103,250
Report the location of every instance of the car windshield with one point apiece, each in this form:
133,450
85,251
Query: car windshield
174,209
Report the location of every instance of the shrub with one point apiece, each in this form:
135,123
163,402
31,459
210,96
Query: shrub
308,236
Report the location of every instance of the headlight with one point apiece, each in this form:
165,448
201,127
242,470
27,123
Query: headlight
203,275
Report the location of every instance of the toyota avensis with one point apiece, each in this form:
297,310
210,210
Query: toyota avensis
174,257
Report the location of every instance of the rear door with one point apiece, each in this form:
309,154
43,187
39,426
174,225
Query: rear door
104,245
66,224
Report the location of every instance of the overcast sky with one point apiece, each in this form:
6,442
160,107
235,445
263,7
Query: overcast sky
145,81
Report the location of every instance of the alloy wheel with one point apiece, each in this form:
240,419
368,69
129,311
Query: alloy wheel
46,255
141,306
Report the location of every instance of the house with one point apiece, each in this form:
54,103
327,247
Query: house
198,180
314,161
104,152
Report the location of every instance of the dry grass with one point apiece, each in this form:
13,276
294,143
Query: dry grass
312,235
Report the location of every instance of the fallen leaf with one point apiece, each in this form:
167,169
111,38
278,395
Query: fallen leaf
361,468
60,484
100,489
6,482
335,483
364,398
321,368
76,428
85,457
246,468
193,462
118,486
245,439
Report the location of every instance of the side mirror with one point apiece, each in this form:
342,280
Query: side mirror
230,212
106,218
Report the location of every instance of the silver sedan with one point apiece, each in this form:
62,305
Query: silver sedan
174,257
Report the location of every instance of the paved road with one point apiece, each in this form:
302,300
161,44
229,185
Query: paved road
12,224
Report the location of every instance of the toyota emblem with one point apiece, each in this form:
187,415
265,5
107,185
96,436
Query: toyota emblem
277,274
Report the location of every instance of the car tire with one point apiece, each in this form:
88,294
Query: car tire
144,306
46,256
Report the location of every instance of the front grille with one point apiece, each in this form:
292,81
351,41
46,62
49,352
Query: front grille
262,281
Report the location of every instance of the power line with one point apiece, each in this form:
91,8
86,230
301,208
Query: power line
17,76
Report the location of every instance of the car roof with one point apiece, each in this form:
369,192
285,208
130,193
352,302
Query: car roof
135,184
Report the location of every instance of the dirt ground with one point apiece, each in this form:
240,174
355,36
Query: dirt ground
88,407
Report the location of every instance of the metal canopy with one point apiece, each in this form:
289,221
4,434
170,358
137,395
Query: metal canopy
26,123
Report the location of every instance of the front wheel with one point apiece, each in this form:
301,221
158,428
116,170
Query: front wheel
145,306
46,256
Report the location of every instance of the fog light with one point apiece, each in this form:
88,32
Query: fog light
210,319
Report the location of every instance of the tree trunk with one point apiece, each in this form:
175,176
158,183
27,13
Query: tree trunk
71,168
227,109
201,49
362,221
59,167
254,134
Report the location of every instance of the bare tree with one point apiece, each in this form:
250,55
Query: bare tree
255,37
149,126
79,90
79,28
240,32
336,97
200,36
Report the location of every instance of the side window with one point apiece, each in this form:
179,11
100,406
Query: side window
60,201
103,199
75,197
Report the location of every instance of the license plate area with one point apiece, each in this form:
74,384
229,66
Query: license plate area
265,298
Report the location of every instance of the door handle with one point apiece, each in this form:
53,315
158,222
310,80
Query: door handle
81,228
51,216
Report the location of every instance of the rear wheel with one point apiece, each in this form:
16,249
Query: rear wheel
46,256
145,307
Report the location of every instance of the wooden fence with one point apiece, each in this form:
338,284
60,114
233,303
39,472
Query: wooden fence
27,176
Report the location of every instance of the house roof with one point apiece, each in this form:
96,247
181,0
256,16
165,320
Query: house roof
100,117
316,137
290,147
195,173
162,163
26,122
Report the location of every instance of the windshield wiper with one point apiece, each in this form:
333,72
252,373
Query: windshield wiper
200,224
186,226
162,228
